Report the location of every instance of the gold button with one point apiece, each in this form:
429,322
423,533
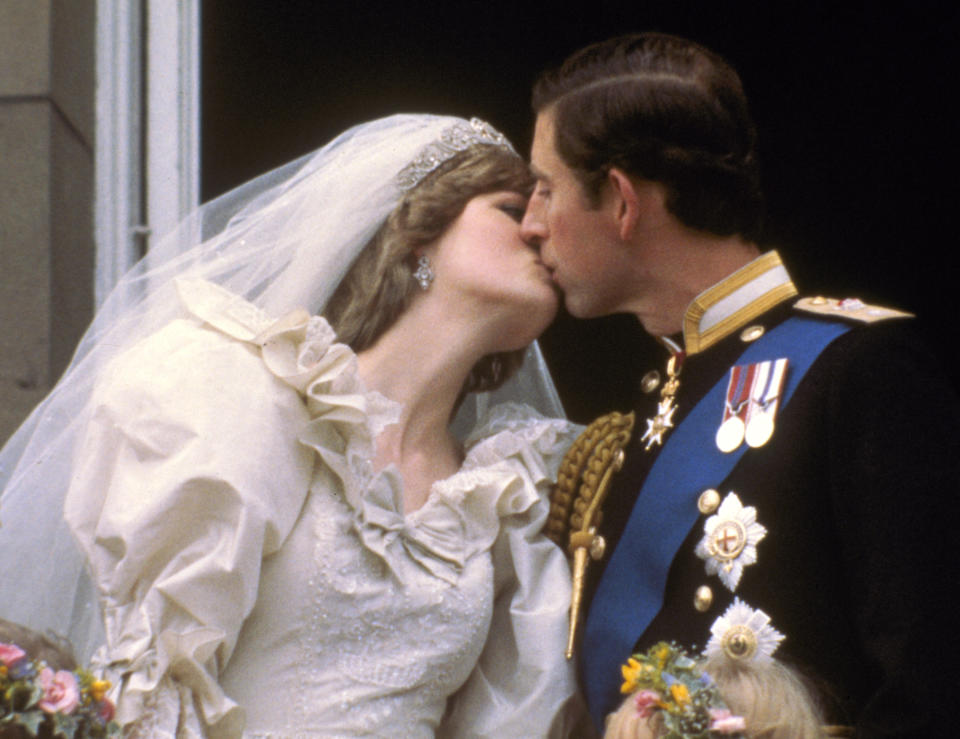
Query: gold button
708,501
703,599
751,333
618,459
598,547
650,381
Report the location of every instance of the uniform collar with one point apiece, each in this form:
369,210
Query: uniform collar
735,301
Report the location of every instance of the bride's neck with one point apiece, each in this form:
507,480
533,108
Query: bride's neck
422,363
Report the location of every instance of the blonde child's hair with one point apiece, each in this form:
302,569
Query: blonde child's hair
774,701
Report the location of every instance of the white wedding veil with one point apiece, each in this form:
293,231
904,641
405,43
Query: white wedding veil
282,241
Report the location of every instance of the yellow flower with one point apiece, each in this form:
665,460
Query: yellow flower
631,674
99,689
661,652
680,694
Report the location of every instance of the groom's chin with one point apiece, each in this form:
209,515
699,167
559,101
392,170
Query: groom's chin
582,306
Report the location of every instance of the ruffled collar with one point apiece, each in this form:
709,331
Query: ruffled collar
508,455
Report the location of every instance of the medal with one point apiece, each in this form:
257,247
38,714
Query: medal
760,430
732,427
764,401
730,434
750,406
659,424
663,420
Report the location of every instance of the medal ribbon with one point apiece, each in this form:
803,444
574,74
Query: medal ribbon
761,382
767,386
764,400
741,380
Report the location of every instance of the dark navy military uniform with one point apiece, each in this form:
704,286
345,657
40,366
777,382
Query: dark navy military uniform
857,490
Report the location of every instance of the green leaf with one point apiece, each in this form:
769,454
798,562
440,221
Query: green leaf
65,726
30,720
22,696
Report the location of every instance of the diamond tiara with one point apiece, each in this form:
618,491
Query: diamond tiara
458,137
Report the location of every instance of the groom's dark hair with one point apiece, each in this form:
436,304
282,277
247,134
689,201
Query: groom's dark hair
664,109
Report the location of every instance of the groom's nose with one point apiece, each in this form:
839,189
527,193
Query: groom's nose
533,227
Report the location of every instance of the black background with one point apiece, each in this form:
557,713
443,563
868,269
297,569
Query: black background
854,103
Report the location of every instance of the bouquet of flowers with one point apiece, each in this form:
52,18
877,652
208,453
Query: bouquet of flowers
667,680
38,701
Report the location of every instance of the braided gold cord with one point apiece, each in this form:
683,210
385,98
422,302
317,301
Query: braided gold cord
594,457
561,499
581,471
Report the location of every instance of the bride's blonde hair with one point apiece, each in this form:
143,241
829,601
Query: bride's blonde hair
380,283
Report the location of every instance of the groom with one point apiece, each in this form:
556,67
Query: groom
797,455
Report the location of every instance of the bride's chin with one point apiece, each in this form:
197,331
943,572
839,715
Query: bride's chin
551,306
528,324
546,309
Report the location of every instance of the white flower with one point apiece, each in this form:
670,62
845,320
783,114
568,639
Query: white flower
730,540
743,633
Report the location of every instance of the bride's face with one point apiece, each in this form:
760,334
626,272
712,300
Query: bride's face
482,260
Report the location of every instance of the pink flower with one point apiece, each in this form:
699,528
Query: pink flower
646,701
11,654
105,711
60,691
725,722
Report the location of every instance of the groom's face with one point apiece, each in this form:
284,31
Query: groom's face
577,242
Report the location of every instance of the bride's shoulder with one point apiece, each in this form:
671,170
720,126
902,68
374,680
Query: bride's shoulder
511,463
222,345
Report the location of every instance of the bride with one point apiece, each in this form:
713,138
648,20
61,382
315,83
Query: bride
283,534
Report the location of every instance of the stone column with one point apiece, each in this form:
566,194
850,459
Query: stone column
46,194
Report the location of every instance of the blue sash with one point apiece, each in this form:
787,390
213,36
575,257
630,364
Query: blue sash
631,591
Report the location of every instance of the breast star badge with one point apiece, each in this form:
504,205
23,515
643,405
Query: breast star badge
743,633
730,540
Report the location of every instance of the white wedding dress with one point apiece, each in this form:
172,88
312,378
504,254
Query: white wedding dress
257,576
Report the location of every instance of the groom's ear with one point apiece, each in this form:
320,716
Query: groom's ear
626,202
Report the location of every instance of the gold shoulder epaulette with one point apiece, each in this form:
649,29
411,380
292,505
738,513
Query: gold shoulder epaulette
850,308
582,483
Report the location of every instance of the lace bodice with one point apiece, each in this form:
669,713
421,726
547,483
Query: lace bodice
347,645
302,601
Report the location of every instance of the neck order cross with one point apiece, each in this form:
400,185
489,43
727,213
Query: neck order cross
663,420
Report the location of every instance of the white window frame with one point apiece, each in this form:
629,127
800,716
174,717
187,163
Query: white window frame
147,158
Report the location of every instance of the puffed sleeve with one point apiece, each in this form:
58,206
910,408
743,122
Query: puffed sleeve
190,473
523,686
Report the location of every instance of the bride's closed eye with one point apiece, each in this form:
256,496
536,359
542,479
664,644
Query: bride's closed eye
514,211
514,205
